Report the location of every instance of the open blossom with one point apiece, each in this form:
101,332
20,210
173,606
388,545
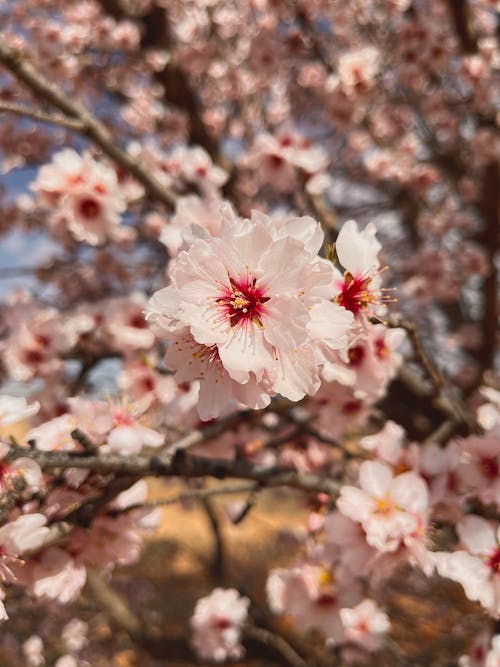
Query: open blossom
366,624
312,594
126,325
54,434
488,414
479,470
118,424
392,510
217,390
26,533
53,574
372,361
85,194
358,68
33,651
477,568
358,289
191,211
485,652
278,159
216,625
252,304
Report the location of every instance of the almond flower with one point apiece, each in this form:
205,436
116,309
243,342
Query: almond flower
216,624
313,594
26,533
392,510
251,307
366,624
358,288
85,193
478,568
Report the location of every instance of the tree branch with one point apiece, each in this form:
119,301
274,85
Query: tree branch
183,465
91,126
36,114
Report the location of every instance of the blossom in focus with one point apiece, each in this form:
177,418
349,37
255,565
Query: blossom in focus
253,305
358,288
217,623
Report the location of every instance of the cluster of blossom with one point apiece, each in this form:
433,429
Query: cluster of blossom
58,571
252,311
317,108
74,638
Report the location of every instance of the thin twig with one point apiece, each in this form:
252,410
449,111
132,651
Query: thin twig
192,494
219,553
85,441
277,643
36,114
434,375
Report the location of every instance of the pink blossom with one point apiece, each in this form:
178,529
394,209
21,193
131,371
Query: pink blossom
126,323
480,466
358,289
26,533
313,596
55,434
263,293
366,624
74,634
217,623
53,574
108,542
392,510
128,435
85,193
191,211
33,651
358,68
478,568
345,543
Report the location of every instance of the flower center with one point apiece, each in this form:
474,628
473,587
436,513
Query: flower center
89,208
489,466
123,418
355,294
138,321
356,355
243,301
326,600
222,623
494,561
385,506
